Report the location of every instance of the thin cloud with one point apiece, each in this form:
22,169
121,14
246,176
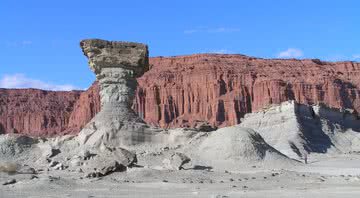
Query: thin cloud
23,43
223,30
26,42
211,30
337,57
291,53
20,81
356,56
221,51
190,31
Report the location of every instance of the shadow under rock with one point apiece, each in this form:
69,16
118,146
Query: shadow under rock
198,167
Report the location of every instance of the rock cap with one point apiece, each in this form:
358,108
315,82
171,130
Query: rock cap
116,54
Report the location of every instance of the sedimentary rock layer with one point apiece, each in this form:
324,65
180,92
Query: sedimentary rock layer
220,89
37,112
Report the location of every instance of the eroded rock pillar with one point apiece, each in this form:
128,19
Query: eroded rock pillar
116,65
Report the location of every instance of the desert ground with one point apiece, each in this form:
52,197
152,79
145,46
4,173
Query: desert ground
323,176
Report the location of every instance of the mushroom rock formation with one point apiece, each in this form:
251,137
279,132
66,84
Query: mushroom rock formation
116,65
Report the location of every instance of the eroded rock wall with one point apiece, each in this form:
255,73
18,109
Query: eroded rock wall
36,112
220,89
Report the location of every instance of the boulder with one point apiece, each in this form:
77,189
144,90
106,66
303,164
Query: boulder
48,151
176,161
109,160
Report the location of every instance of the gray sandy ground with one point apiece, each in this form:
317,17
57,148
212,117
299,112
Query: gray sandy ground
324,176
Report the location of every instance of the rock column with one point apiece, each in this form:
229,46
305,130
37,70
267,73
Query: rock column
116,65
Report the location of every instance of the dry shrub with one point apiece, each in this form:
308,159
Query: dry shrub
8,167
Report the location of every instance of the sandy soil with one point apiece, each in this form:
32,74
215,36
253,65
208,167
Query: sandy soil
324,176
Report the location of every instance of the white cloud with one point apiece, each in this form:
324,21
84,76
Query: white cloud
356,56
221,51
20,81
211,30
291,53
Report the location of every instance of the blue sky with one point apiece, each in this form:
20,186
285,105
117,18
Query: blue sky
40,39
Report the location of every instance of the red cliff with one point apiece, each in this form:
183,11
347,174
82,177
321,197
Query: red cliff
220,89
179,91
36,112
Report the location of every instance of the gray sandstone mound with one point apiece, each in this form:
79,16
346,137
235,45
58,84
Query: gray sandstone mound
237,146
296,129
116,65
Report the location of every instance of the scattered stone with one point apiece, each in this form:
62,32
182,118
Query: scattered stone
176,161
53,164
110,160
48,151
52,178
76,161
204,127
33,177
27,170
245,187
165,181
165,148
231,179
59,166
221,196
274,174
8,182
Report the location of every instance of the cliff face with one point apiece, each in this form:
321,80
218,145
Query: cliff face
85,108
180,91
36,112
220,89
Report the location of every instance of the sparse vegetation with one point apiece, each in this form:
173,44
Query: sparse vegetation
8,167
